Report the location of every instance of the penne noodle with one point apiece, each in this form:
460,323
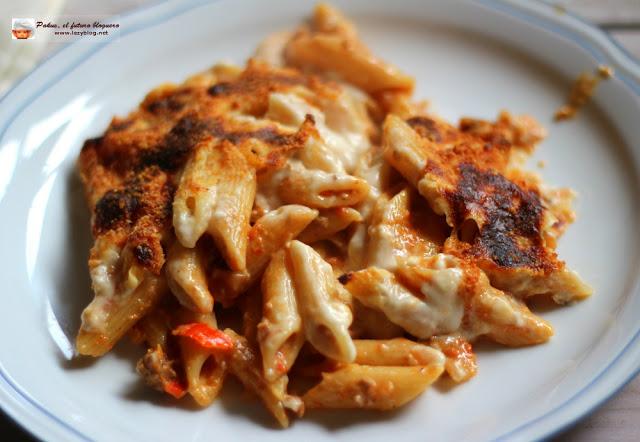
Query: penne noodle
322,190
124,293
195,198
203,371
330,54
187,279
460,360
507,320
120,316
244,363
215,194
332,49
419,315
269,234
491,312
236,190
402,149
372,324
396,352
328,223
376,388
398,231
321,302
280,333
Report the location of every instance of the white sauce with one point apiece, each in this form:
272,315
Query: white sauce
104,279
345,143
383,250
505,312
440,311
442,295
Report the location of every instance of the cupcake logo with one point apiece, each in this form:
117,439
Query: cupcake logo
23,28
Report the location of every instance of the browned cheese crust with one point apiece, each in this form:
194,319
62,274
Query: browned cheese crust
501,217
130,172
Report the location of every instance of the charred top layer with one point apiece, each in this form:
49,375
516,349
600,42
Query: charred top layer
427,128
148,193
509,218
130,171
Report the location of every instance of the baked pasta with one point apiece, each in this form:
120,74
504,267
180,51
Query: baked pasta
302,225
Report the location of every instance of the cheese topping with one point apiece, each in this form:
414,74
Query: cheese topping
108,289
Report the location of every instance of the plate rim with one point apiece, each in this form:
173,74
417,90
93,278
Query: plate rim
542,14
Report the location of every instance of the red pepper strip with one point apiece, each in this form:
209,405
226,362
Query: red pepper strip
174,389
281,363
205,336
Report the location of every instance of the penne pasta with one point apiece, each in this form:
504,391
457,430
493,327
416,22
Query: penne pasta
489,311
396,232
124,293
328,223
376,388
280,333
215,194
187,278
321,190
325,314
507,320
460,362
437,310
401,148
204,368
244,363
236,190
399,352
195,198
120,316
203,371
269,234
330,48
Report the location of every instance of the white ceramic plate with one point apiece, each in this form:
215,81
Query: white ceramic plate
469,59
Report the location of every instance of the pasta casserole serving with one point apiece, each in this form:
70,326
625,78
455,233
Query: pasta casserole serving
305,226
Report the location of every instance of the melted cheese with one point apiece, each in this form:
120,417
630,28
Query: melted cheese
108,289
342,144
439,310
325,315
385,254
344,139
